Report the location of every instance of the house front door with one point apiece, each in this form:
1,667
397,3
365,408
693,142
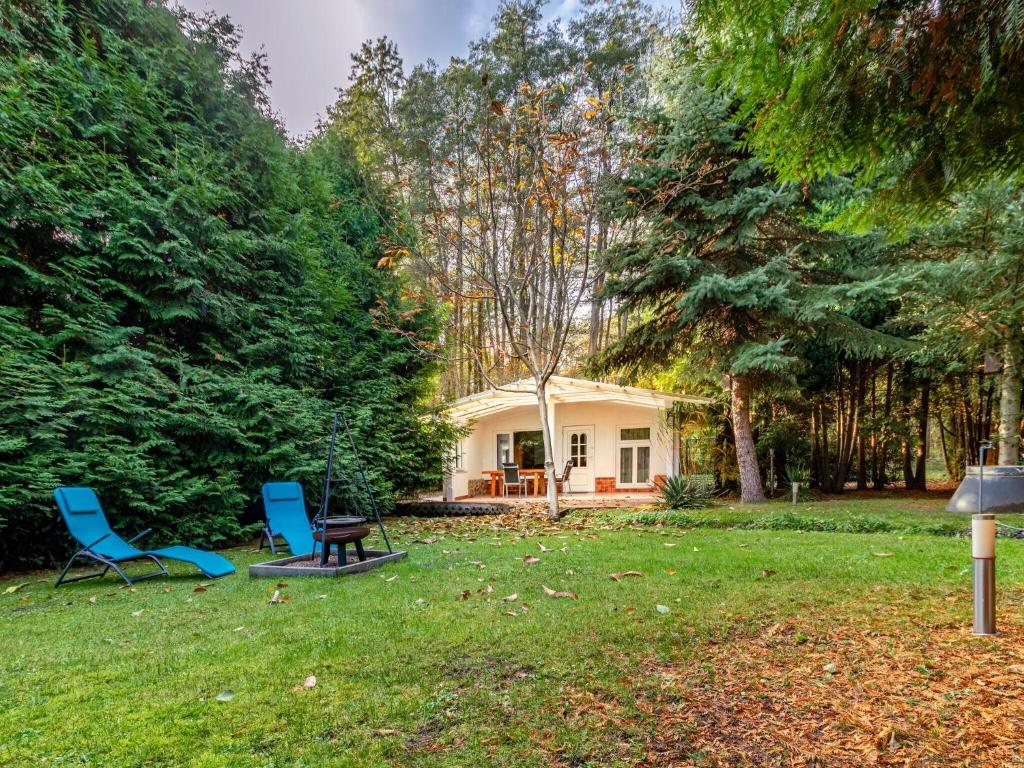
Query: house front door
578,447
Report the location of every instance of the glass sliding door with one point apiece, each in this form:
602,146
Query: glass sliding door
525,448
504,449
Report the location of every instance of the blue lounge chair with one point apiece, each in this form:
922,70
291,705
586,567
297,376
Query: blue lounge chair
88,525
284,506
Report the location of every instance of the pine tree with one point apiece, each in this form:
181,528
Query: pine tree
726,265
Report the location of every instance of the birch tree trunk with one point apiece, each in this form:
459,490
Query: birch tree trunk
746,455
549,452
1009,405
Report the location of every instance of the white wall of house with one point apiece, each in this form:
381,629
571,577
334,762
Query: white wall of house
602,422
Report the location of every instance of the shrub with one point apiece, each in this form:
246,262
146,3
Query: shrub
798,473
185,296
684,492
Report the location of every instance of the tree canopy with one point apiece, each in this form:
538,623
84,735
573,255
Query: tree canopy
916,97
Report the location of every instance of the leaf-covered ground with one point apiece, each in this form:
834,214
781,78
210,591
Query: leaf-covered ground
507,642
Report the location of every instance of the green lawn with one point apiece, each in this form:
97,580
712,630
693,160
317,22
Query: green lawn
885,513
412,671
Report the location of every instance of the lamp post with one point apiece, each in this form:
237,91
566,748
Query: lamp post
983,552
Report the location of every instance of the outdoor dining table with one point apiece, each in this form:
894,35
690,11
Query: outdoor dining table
497,477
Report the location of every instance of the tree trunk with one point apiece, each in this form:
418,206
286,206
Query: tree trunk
1009,405
549,452
862,469
947,462
905,413
874,428
921,466
746,455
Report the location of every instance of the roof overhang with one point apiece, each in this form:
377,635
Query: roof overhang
561,389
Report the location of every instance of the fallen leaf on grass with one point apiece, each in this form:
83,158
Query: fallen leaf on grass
670,571
543,548
386,731
662,609
624,574
280,585
93,599
530,559
225,696
390,579
767,573
420,601
14,588
200,588
555,593
321,597
276,598
882,554
238,629
464,595
137,613
511,598
667,544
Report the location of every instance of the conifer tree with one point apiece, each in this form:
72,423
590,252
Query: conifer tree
725,265
184,296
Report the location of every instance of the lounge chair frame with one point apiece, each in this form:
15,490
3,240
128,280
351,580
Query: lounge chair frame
88,525
108,563
266,535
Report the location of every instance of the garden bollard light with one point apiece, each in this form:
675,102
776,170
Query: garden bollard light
983,550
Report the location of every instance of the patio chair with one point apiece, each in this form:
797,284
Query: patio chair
563,481
284,507
88,525
512,479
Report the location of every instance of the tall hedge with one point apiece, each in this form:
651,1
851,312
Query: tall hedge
185,297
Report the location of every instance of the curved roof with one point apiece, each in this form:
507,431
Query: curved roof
561,389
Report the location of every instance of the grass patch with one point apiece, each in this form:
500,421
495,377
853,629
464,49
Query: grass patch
421,663
835,515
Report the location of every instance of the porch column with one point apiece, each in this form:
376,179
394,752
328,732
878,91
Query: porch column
674,454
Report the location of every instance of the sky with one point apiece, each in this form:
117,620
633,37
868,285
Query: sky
309,42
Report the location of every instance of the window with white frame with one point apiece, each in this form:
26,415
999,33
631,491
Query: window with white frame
459,456
634,456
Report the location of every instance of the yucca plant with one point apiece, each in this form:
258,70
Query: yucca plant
684,492
800,478
798,473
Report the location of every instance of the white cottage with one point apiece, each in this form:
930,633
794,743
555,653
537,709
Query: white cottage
617,438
